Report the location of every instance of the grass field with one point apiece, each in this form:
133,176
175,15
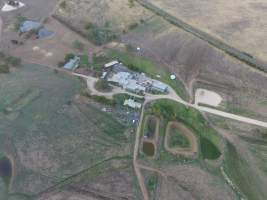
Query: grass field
178,139
238,23
49,132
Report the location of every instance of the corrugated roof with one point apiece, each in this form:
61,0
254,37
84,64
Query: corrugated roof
72,63
27,26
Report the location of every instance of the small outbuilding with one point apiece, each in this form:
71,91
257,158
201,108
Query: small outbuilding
28,25
73,63
132,104
111,64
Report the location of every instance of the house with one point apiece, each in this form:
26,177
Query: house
73,63
158,86
132,104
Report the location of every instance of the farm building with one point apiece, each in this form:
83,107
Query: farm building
133,86
121,78
132,104
158,86
27,26
111,64
73,63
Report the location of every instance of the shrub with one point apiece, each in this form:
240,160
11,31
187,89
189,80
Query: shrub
100,35
69,56
133,26
78,45
102,85
15,62
63,5
4,68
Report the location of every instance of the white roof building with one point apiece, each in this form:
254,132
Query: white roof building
110,64
132,86
132,104
159,86
121,78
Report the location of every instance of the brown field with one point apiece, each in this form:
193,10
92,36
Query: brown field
241,24
191,183
199,65
59,44
188,151
120,13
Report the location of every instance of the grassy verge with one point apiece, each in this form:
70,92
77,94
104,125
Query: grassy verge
139,64
239,171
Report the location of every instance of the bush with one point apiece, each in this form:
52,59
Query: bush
78,45
4,68
69,56
18,22
15,62
100,35
102,85
63,5
133,26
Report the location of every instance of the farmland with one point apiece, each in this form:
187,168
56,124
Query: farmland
238,23
60,140
44,121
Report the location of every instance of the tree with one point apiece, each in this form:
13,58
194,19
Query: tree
4,68
68,57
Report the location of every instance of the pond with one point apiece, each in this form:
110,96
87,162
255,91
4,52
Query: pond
5,170
148,148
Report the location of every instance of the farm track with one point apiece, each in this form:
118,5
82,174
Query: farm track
232,51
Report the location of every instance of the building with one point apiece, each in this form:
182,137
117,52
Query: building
27,26
133,86
132,104
158,86
111,64
121,78
73,63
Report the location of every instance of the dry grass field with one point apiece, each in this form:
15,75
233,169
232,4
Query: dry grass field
199,65
239,23
119,14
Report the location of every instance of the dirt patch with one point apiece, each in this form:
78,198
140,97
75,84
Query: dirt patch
187,150
207,97
50,51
